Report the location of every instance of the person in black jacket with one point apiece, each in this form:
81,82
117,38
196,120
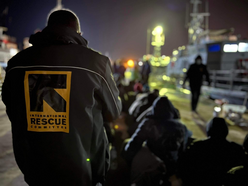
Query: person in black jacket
195,75
206,162
164,136
58,94
238,175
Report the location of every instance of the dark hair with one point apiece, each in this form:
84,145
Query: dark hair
245,144
217,128
64,17
198,57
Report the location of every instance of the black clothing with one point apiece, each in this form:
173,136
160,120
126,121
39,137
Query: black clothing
58,93
164,135
195,75
206,162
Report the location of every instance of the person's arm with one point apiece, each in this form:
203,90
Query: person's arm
140,135
110,95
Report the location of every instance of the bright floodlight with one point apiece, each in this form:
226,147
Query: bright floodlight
130,63
158,30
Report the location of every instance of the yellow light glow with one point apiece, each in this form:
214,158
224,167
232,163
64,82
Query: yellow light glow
184,70
174,59
163,91
116,126
179,48
181,82
130,63
183,47
194,38
157,64
185,91
88,159
157,30
191,31
128,74
153,84
175,52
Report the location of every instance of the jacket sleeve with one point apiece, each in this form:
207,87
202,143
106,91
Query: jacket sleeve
6,95
110,95
143,132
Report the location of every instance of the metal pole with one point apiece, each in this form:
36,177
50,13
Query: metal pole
148,41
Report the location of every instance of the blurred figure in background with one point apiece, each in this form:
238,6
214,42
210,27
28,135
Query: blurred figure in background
145,72
195,75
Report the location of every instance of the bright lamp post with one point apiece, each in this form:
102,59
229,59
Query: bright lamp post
157,40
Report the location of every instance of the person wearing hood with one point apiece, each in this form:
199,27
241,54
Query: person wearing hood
195,75
162,134
206,162
58,94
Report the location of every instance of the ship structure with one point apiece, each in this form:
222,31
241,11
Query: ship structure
225,55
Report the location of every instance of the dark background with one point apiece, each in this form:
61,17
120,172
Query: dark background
119,27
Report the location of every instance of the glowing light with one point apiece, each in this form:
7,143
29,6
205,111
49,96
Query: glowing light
13,51
140,63
194,37
163,56
191,31
153,84
183,47
128,74
185,91
163,91
181,82
184,70
157,30
175,52
130,63
157,64
116,126
88,159
166,78
243,47
174,59
217,109
179,48
230,48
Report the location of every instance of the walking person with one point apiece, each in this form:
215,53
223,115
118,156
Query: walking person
58,94
195,75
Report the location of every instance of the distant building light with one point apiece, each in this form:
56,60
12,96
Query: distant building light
175,52
243,47
230,48
184,70
191,31
140,63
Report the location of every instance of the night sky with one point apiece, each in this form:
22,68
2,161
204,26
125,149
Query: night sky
119,27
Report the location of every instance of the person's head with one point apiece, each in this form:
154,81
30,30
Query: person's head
217,128
156,92
198,60
163,108
64,18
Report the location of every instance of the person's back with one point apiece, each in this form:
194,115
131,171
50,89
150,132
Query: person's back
57,94
205,162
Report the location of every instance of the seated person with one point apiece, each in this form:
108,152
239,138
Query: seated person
205,162
164,136
238,175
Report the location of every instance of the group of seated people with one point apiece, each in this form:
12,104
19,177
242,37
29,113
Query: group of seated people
161,148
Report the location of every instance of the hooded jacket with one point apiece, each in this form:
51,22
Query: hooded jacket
163,135
206,162
58,93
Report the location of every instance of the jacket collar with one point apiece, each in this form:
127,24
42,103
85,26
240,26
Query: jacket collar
57,35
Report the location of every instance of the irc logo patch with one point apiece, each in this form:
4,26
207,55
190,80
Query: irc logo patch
47,96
